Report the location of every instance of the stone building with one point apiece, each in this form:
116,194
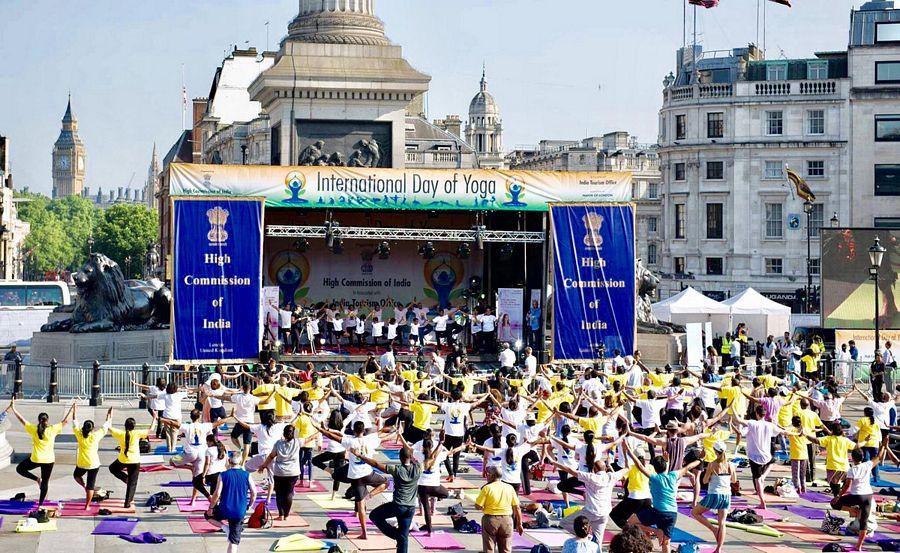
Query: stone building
484,130
151,187
12,230
68,158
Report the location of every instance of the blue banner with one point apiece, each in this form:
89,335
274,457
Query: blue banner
217,279
593,280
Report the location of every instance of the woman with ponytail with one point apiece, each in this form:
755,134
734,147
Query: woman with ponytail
335,454
510,459
127,465
43,439
431,454
564,448
868,437
214,464
87,460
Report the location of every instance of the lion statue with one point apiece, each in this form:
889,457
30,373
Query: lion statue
106,302
646,283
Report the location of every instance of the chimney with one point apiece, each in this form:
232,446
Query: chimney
112,196
200,105
121,191
128,194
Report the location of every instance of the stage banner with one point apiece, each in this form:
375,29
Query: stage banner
217,279
593,280
404,189
510,313
271,312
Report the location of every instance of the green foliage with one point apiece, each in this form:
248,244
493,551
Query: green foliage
126,230
60,229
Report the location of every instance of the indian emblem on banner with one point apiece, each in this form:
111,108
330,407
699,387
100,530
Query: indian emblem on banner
217,219
295,187
592,223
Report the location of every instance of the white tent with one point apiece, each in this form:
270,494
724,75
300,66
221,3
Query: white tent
688,306
762,315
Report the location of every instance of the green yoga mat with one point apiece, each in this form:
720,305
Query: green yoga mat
762,530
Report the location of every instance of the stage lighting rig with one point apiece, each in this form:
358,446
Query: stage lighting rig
506,252
337,242
479,235
383,250
464,251
301,245
332,229
426,250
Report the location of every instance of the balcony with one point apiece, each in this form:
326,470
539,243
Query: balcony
772,89
431,159
716,90
803,88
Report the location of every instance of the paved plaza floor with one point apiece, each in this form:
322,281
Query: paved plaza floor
73,534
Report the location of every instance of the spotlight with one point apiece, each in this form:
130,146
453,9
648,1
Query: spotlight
518,345
506,252
337,243
383,250
426,250
479,238
474,284
464,251
331,231
301,245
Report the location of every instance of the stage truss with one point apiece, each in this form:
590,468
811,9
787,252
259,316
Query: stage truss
408,234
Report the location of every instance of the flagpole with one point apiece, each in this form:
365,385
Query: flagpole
764,28
183,101
684,24
757,23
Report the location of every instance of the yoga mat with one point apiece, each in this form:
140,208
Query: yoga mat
777,549
804,533
543,495
891,527
459,484
778,500
163,450
308,486
816,497
392,454
437,520
201,505
349,518
551,537
23,527
199,525
75,508
374,542
889,468
155,467
477,464
390,445
680,536
762,530
298,542
521,542
114,526
882,483
810,513
294,521
152,459
437,541
177,484
17,507
324,501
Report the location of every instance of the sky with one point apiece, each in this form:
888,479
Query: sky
560,69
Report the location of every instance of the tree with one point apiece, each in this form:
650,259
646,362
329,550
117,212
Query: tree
79,217
125,231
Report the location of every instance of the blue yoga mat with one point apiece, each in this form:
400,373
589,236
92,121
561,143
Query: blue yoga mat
882,483
163,450
392,454
680,536
888,468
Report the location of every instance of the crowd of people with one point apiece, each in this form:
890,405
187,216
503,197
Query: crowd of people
609,426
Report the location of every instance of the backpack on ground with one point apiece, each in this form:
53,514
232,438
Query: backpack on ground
261,517
335,529
144,446
540,548
159,499
831,524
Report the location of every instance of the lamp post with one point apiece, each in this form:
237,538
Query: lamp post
128,266
835,221
876,255
90,243
808,209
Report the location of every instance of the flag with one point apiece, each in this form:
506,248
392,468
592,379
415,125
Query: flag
783,2
706,3
803,189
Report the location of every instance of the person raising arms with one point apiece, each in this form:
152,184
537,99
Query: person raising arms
127,465
87,460
43,456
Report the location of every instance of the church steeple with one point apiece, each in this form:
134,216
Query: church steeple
68,157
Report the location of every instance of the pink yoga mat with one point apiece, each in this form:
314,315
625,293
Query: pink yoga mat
438,541
201,505
310,487
199,525
521,542
373,542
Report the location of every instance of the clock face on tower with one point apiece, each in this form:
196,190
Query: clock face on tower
63,162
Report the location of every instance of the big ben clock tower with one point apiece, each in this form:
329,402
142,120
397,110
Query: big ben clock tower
68,158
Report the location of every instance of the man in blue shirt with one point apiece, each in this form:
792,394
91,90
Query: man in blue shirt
854,352
231,499
662,516
533,336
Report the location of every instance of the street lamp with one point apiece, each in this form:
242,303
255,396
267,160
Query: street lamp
835,222
90,243
128,266
808,209
876,255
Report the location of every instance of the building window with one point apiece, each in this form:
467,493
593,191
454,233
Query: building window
715,125
680,221
815,169
715,266
651,254
815,121
816,220
887,32
887,72
815,265
887,128
774,170
887,180
680,266
652,191
679,171
652,224
715,228
817,70
776,72
715,170
774,123
680,127
774,221
887,222
774,266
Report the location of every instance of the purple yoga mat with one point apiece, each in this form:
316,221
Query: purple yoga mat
521,542
437,540
816,497
177,484
115,526
810,513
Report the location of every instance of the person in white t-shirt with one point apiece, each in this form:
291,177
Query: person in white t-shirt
530,363
760,433
193,442
170,400
377,331
267,432
598,489
414,332
488,330
440,327
457,413
244,408
507,357
214,463
857,492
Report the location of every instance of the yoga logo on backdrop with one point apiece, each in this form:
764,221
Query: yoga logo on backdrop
514,191
296,187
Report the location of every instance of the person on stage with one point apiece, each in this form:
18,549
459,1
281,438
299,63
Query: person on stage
43,440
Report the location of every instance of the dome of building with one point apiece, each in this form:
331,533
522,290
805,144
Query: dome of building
337,22
483,103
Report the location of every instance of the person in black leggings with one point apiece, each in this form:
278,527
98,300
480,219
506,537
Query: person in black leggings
127,466
43,438
284,460
334,456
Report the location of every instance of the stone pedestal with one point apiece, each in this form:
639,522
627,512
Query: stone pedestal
659,349
6,450
110,348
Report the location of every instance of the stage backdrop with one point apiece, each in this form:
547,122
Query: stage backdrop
411,189
510,314
358,277
593,280
217,279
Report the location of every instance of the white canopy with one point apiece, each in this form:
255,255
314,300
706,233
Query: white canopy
762,315
688,306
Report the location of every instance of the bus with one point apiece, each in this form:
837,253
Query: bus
26,306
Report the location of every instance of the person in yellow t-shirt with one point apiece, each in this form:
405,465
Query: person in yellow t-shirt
637,484
43,456
306,434
87,460
868,438
798,450
264,392
421,411
127,465
283,397
500,505
837,456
